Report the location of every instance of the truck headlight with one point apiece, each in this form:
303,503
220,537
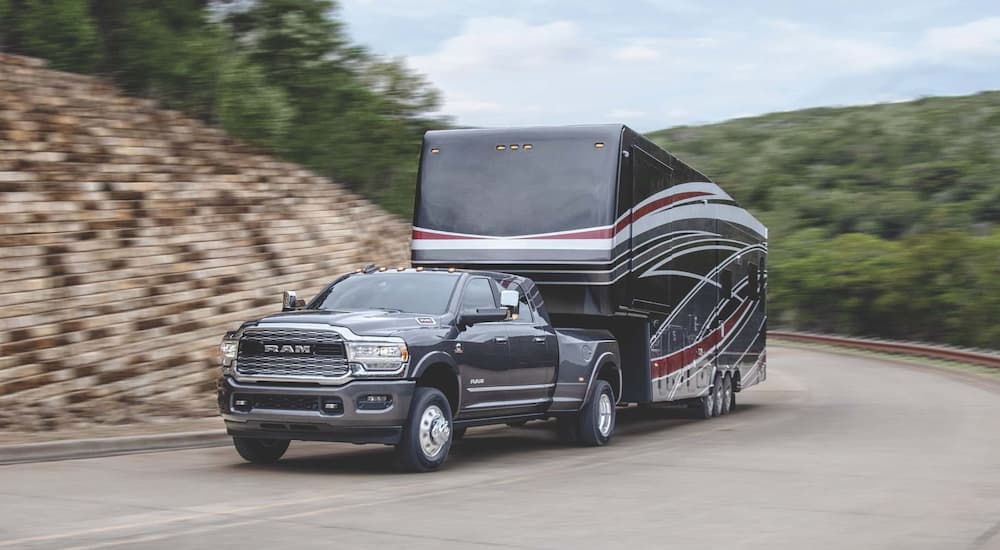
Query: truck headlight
378,356
228,349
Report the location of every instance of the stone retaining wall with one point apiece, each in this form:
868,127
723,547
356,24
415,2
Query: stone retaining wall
132,237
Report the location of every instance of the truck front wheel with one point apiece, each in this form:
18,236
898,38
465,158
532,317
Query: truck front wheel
427,434
597,419
260,451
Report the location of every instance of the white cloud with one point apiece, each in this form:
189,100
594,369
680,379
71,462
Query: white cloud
505,44
981,37
636,53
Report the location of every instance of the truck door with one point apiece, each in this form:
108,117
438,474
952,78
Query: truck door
482,352
533,353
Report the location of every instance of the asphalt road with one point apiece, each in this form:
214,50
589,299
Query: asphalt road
831,452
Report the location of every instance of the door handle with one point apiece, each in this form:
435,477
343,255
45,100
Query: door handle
539,339
500,339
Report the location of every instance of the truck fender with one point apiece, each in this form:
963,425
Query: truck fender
434,358
605,358
439,358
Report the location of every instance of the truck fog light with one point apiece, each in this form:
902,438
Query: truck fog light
375,402
242,403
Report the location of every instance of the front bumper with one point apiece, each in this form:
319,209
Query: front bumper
317,413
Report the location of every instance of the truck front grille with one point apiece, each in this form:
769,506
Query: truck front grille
292,353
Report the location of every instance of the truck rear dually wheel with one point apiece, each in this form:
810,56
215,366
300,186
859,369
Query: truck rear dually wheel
717,396
260,451
427,434
597,419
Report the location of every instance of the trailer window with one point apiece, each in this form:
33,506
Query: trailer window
559,184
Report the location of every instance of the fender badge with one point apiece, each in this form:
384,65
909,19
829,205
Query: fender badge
458,348
425,321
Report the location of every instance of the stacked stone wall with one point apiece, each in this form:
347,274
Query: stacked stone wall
132,237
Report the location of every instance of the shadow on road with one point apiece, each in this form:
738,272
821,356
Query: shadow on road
480,445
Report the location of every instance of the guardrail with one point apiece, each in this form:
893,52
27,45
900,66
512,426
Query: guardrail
976,357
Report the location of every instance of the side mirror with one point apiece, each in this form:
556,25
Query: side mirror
509,299
290,302
482,315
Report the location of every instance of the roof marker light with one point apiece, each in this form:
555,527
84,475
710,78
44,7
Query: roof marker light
514,147
501,147
419,269
383,268
451,270
527,146
599,145
435,151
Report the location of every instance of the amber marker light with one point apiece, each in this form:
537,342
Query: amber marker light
527,146
514,147
501,147
451,270
599,145
435,151
383,268
419,269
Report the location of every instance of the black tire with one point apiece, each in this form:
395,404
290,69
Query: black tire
727,394
420,450
597,419
717,391
705,406
260,451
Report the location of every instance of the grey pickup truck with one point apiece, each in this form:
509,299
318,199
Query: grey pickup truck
412,358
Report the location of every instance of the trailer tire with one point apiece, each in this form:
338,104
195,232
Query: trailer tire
427,434
705,406
718,395
597,419
727,394
260,451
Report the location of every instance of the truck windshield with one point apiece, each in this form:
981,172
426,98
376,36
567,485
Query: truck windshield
404,292
479,186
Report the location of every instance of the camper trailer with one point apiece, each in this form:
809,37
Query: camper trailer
617,234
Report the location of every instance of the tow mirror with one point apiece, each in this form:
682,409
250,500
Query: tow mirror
509,298
482,315
290,302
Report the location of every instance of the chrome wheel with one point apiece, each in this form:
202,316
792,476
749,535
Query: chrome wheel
710,402
434,431
717,396
727,394
605,412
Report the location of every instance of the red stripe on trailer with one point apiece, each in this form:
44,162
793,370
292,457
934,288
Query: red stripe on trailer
662,366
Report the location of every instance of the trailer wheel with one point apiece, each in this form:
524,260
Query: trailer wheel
727,394
718,396
597,419
705,405
260,451
427,434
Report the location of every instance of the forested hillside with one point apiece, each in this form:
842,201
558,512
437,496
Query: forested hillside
283,75
883,219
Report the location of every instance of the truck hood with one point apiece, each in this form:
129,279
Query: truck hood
367,323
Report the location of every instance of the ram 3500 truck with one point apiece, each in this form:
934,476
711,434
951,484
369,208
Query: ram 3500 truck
411,358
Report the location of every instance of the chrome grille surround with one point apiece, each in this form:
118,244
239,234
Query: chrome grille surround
310,367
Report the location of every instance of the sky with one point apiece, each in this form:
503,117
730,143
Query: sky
659,63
